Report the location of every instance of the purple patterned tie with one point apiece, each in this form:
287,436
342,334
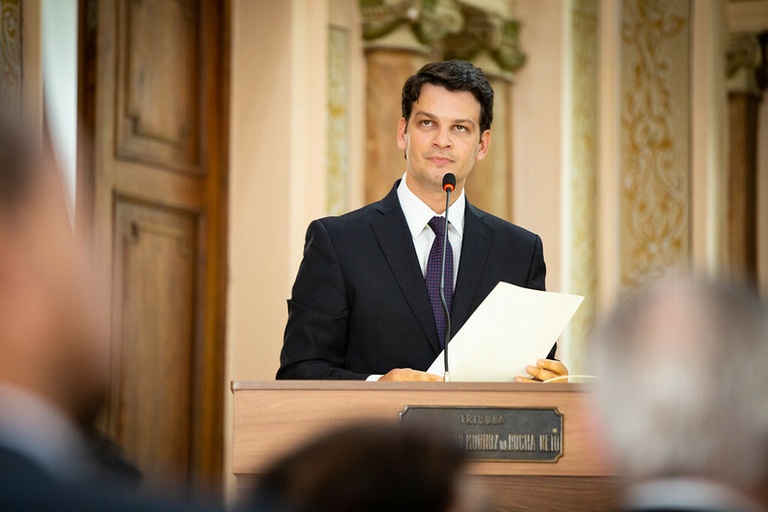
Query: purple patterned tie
432,276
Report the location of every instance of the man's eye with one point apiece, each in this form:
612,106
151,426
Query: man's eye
460,128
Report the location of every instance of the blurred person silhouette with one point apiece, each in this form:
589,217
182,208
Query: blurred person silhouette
53,361
371,467
682,396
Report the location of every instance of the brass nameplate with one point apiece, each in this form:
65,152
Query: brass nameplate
495,433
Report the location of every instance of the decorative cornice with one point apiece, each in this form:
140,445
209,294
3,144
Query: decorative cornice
747,63
453,29
486,31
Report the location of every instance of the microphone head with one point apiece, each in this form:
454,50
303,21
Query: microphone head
449,182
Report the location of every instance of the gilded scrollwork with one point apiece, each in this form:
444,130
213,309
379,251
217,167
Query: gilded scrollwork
10,56
452,28
654,180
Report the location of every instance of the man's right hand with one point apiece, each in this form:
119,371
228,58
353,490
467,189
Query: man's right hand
408,375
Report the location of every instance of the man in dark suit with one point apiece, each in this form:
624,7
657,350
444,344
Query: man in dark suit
360,305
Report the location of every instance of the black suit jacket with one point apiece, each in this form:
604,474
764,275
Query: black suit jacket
359,304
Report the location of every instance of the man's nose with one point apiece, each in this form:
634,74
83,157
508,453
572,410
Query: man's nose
443,138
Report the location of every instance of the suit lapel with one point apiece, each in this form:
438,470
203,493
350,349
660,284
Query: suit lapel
475,248
392,233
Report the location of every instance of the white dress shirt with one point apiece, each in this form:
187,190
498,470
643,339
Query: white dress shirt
418,215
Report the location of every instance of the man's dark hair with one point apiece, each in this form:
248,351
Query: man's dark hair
454,75
371,467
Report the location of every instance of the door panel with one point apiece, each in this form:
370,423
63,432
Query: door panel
153,188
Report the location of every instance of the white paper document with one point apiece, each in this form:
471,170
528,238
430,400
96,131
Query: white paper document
511,329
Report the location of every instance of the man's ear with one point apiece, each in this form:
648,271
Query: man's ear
485,142
401,131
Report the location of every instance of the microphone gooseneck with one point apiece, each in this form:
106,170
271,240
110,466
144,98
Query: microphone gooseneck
449,184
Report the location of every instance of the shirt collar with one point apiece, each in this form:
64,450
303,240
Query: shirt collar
418,214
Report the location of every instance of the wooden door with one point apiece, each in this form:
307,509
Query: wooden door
153,190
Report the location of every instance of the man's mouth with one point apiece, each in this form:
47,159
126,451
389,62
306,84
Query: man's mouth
440,160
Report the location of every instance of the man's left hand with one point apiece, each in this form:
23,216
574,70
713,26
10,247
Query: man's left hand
544,370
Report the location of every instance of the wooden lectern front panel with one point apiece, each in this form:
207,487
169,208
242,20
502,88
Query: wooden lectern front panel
271,418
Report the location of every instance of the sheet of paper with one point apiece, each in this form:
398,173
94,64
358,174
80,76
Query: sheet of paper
510,330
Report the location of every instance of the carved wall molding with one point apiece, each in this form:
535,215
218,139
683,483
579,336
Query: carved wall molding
10,57
450,29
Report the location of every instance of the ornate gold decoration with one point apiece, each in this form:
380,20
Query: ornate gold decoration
10,57
654,178
454,29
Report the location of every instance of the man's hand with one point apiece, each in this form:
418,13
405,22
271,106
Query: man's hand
545,369
408,375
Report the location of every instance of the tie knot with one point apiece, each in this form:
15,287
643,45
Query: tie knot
437,223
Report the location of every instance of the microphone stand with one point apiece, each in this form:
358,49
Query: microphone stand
448,187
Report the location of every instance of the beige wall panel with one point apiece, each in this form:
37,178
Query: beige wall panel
580,177
277,178
537,115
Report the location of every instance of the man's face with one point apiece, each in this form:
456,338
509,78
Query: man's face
442,135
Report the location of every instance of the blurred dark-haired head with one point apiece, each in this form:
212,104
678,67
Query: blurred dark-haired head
370,467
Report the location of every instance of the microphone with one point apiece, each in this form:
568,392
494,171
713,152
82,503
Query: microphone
449,183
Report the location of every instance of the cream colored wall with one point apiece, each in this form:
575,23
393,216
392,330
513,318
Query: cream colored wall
277,157
537,115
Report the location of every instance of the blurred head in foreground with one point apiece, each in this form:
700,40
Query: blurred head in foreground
683,388
48,337
53,360
371,467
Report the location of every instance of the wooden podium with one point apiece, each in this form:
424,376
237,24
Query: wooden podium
272,417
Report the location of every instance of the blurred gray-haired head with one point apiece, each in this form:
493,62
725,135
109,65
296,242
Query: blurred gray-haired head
683,382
